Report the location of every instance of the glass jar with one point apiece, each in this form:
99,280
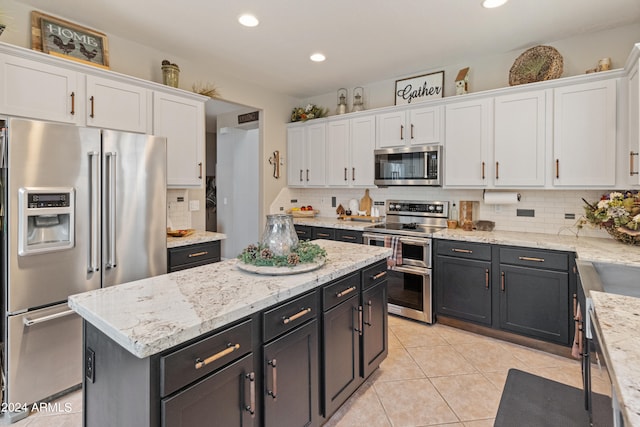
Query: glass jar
279,234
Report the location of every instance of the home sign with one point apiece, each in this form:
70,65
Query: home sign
420,88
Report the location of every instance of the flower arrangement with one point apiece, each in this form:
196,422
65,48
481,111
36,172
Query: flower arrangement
260,255
311,111
618,213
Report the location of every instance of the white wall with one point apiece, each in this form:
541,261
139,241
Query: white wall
579,54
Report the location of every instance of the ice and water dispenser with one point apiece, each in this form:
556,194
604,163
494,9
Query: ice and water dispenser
46,220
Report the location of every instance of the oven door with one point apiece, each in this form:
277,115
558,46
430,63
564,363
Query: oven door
410,292
416,252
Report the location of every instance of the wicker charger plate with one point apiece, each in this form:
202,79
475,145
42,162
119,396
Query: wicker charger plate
535,65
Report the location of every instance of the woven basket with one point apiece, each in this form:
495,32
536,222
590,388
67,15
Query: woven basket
535,65
622,236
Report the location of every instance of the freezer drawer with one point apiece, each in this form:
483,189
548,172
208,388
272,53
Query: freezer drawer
44,353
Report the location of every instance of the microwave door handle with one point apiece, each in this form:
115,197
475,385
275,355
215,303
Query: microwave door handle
111,221
93,214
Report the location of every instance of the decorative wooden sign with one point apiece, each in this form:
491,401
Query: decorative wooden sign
248,117
68,40
420,88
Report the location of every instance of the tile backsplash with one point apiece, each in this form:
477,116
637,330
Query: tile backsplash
554,211
178,215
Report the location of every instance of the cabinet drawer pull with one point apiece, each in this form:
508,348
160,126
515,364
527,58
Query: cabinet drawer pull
230,349
411,130
348,237
298,315
359,328
251,407
497,169
482,170
353,174
346,292
73,103
196,254
631,154
323,235
379,275
200,170
462,251
557,169
401,132
274,392
486,278
345,174
502,281
527,258
300,175
307,175
92,115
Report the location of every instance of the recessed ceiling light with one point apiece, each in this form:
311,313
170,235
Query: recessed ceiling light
248,20
317,57
490,4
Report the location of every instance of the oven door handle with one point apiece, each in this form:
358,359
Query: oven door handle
411,270
415,242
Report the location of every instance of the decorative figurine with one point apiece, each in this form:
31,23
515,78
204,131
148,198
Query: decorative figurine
462,81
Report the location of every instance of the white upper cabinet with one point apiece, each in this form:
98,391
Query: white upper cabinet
519,140
116,105
306,153
181,121
414,126
633,149
584,137
350,145
37,90
468,127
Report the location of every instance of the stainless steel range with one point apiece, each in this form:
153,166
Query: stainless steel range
412,223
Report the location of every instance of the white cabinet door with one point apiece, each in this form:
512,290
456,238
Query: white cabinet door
519,140
390,129
338,153
315,154
425,125
468,135
363,139
116,105
633,173
295,156
181,121
584,143
40,91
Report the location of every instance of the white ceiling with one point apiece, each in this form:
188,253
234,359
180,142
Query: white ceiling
364,40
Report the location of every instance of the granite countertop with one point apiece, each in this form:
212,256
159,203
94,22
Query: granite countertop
618,323
152,315
332,222
199,236
587,248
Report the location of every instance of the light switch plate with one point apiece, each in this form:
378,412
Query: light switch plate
194,205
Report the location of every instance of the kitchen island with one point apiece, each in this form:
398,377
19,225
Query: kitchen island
144,339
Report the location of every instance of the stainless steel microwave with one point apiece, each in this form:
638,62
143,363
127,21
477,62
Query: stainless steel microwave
419,165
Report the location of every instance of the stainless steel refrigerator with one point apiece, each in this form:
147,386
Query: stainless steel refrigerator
81,208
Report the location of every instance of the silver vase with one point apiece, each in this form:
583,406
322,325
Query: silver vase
280,234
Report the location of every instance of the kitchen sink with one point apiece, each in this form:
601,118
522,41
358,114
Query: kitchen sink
619,279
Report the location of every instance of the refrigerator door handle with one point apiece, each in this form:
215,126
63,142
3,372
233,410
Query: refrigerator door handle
93,214
30,322
111,260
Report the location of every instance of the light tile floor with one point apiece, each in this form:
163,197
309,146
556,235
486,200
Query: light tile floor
434,375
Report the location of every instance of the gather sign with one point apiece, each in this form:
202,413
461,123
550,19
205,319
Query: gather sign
420,88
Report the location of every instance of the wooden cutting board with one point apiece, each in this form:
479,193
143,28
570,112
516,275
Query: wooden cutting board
366,202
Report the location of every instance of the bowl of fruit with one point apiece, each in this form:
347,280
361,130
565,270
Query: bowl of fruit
303,212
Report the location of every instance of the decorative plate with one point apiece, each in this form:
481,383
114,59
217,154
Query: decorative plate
535,65
281,271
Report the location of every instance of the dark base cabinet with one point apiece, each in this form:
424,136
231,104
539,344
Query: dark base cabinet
519,290
224,397
292,364
291,379
190,256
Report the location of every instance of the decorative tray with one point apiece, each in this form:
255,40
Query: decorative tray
280,271
535,65
303,214
181,233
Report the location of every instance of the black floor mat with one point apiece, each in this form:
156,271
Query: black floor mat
532,401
